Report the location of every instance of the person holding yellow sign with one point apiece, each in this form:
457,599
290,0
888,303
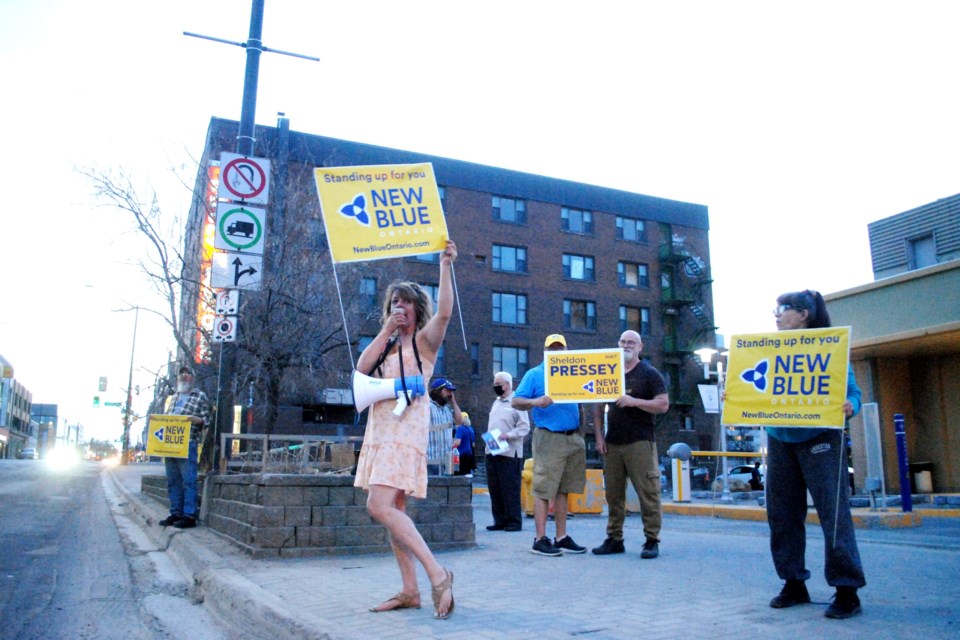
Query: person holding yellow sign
801,459
393,458
629,449
182,472
559,455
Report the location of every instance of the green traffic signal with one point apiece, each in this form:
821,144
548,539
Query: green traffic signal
96,402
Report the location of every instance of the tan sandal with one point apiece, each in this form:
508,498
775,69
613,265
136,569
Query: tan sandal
437,592
405,600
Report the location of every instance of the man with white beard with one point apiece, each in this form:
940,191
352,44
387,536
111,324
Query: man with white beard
182,472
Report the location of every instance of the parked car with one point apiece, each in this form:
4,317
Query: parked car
743,473
27,453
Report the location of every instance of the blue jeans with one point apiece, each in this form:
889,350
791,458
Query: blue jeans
182,483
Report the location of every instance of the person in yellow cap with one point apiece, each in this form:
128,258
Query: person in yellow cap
559,455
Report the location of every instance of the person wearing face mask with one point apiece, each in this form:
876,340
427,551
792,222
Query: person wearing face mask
182,472
505,470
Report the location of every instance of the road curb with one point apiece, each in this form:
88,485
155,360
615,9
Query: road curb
862,519
235,600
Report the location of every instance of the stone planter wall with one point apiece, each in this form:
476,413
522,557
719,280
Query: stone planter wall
299,515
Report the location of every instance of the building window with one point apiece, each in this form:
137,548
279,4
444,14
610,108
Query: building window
440,366
633,275
509,308
631,229
578,267
635,319
433,291
368,294
513,259
474,358
509,210
576,221
921,252
427,257
580,314
513,360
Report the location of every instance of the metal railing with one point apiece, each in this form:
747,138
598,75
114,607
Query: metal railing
263,453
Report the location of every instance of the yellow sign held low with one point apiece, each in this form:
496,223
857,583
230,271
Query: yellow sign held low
168,436
787,378
588,375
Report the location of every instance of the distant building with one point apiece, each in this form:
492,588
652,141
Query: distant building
16,431
538,256
915,239
46,418
906,338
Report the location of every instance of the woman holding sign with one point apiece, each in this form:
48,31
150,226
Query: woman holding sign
803,459
393,459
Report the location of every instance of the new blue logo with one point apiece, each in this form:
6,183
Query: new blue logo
757,376
588,387
357,210
158,434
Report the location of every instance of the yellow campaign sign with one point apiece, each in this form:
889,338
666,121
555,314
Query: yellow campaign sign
588,375
381,211
168,436
787,378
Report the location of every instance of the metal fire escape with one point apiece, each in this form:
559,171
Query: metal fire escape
687,321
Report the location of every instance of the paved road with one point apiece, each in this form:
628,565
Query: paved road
713,579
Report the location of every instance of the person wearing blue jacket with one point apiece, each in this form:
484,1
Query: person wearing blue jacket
814,460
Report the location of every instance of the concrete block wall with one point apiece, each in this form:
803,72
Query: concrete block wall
301,515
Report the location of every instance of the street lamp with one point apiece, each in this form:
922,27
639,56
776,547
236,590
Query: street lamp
706,355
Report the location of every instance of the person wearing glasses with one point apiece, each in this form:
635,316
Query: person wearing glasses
811,459
629,449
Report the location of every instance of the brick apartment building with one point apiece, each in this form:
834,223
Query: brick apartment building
537,256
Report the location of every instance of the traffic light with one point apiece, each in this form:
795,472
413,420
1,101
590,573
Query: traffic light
103,383
96,402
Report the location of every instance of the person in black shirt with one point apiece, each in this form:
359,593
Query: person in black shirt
629,448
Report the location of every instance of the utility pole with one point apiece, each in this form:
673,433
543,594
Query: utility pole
245,147
125,455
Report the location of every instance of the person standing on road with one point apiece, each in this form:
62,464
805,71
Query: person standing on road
393,458
803,459
505,470
559,455
629,449
182,472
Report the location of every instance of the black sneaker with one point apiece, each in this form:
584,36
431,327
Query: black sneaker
651,549
542,546
794,592
185,522
609,546
845,604
169,520
495,527
567,545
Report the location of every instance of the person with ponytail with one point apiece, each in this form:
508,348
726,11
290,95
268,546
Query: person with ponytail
799,460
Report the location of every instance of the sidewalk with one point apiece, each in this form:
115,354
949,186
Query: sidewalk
713,579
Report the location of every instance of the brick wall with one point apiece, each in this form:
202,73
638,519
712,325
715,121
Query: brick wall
301,515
